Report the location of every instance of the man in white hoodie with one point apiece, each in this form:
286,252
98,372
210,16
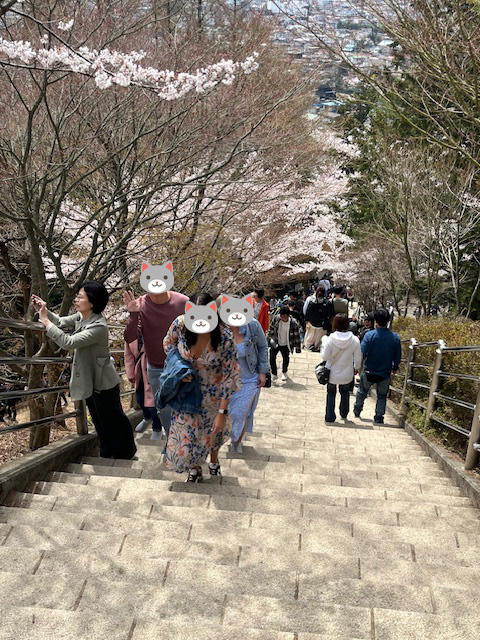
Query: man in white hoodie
343,355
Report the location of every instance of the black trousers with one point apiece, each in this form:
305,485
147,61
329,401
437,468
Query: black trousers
273,359
113,428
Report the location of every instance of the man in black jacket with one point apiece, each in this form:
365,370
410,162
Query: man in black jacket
318,313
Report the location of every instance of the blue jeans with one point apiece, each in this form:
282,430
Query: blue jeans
382,391
165,414
149,413
344,401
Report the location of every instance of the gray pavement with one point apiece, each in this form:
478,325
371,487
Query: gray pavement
315,532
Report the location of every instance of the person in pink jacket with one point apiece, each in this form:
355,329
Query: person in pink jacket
136,369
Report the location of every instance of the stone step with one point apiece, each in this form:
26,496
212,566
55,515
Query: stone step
260,480
128,488
408,514
35,623
261,470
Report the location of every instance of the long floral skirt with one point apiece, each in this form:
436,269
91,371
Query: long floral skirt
187,444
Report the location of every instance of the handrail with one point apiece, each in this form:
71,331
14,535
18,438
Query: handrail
40,421
434,393
450,425
459,403
460,376
35,359
422,385
80,411
6,395
475,347
433,343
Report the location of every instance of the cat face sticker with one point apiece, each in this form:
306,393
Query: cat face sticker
201,318
236,311
156,278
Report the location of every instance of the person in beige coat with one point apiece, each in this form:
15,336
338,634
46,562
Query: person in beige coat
93,378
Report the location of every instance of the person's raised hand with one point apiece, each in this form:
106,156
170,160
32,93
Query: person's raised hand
133,305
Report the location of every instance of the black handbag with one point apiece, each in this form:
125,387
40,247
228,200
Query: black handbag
322,372
374,377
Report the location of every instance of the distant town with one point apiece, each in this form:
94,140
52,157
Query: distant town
305,34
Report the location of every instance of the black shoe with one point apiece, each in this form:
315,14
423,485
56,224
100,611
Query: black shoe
214,469
194,475
356,413
378,420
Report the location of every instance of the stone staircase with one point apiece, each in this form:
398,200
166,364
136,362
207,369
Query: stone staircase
314,533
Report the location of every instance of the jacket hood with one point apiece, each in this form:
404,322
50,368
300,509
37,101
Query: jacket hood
342,339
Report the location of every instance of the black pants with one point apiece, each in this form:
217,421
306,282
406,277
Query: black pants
111,424
344,401
273,359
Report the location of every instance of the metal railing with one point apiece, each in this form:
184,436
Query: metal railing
80,411
434,392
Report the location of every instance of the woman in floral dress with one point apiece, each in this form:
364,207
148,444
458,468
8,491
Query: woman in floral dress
214,356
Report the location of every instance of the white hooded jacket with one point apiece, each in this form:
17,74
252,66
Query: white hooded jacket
343,349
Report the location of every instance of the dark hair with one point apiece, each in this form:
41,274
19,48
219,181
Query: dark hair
320,290
341,322
97,295
284,311
203,299
370,317
381,317
338,289
293,294
260,292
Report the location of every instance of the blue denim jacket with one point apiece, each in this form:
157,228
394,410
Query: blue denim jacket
256,348
382,351
180,396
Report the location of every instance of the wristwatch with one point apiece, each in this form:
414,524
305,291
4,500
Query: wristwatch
224,411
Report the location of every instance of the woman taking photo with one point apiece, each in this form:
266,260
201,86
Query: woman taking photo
214,356
93,378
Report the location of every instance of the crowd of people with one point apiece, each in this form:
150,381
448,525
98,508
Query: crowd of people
198,364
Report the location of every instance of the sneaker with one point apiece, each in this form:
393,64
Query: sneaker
274,376
214,469
284,377
329,424
377,420
141,426
234,447
356,413
239,447
156,435
194,475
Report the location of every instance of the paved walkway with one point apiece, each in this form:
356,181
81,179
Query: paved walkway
315,533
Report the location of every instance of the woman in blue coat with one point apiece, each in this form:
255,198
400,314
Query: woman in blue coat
252,351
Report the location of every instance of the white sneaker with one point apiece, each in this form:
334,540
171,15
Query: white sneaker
234,446
141,426
239,447
156,435
284,377
274,377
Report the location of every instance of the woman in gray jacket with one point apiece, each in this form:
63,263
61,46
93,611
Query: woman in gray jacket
93,378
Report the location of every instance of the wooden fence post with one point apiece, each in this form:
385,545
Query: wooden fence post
81,418
408,370
471,458
435,378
